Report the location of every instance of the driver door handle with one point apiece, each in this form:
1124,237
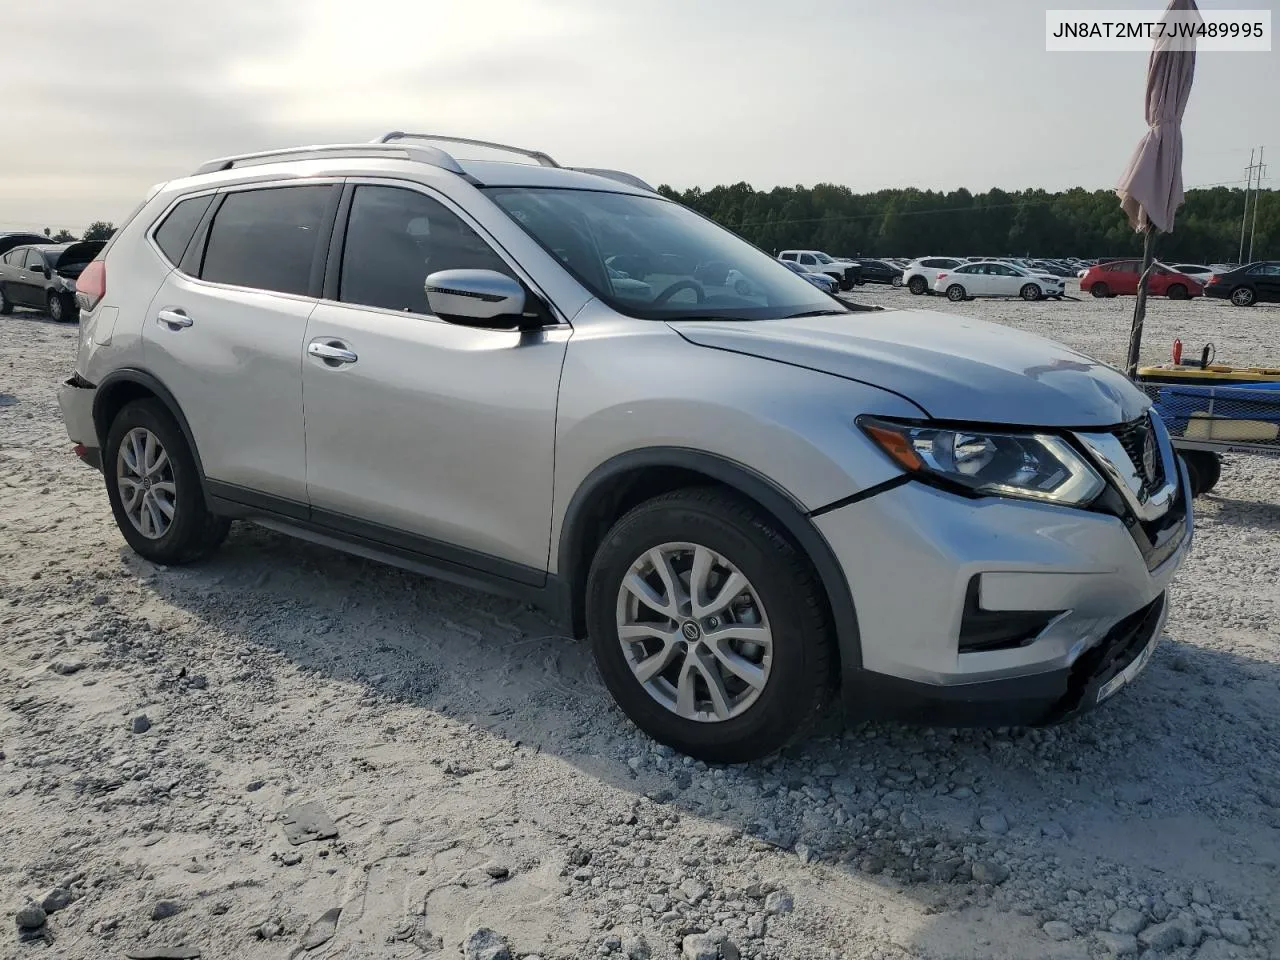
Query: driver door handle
332,352
174,318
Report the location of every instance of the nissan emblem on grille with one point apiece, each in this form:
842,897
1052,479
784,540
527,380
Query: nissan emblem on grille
1149,455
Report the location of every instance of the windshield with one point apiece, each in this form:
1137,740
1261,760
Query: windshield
650,258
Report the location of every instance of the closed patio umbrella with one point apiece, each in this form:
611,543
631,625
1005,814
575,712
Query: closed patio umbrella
1150,190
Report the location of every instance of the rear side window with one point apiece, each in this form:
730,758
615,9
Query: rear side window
266,239
395,238
180,226
789,256
34,260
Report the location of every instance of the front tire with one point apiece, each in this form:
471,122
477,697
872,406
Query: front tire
1030,292
154,487
709,627
1204,470
1100,290
955,293
6,305
1242,297
918,285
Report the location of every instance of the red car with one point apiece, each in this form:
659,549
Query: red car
1120,277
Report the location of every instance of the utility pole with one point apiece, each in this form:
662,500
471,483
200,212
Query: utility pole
1262,168
1244,218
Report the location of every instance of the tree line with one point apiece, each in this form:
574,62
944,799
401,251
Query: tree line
98,230
1037,223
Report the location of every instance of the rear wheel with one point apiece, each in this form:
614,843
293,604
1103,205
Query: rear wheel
955,293
1030,292
61,308
1100,290
709,627
917,285
1177,291
154,487
1204,470
897,280
1242,297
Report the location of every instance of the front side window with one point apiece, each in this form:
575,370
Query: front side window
650,258
180,226
395,238
266,239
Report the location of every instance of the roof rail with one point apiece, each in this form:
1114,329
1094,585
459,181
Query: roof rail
406,151
629,179
542,158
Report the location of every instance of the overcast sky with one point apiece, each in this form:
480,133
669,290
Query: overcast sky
106,98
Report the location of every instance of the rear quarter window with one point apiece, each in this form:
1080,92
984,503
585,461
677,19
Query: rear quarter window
179,227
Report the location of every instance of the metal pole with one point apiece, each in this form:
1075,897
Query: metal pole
1140,307
1254,228
1244,218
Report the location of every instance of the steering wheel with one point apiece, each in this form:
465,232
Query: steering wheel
676,287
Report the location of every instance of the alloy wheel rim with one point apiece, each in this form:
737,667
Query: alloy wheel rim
694,632
55,308
1241,296
144,478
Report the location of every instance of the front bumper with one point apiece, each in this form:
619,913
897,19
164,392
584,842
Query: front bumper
75,398
910,555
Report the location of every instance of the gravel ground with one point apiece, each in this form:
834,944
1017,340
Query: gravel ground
470,789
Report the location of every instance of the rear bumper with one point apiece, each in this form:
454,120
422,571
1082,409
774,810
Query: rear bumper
75,398
1219,290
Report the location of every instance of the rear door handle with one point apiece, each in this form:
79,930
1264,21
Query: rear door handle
332,352
173,318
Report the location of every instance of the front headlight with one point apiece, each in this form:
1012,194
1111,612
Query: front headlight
1031,466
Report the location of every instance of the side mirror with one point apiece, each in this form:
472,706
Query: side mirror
476,297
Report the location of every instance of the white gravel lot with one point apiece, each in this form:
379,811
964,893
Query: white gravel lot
478,775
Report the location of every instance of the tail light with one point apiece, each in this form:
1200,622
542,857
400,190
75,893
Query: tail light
1211,281
941,276
91,285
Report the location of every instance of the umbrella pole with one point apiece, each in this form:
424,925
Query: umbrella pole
1140,306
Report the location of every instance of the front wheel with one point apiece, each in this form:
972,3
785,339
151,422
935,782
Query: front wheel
918,285
61,308
154,487
1204,470
1100,290
1030,292
1242,297
709,627
955,293
6,305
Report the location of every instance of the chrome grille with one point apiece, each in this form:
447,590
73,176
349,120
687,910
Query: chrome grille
1138,442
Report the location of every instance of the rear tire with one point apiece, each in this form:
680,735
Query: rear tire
1204,470
1243,297
918,285
1100,290
896,281
1178,291
956,293
1031,292
62,309
783,599
193,532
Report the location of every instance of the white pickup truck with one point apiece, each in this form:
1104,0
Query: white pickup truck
845,272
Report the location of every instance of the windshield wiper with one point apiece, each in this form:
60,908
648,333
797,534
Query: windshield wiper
814,313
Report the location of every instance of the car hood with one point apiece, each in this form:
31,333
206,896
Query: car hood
953,368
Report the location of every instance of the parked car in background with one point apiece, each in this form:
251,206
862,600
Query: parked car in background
746,503
43,276
844,272
918,275
879,271
1253,283
996,279
1196,271
820,280
10,240
1120,278
1052,267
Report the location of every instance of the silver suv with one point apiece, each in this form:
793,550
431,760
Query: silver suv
555,383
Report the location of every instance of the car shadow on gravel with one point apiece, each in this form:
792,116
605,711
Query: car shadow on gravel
1082,816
